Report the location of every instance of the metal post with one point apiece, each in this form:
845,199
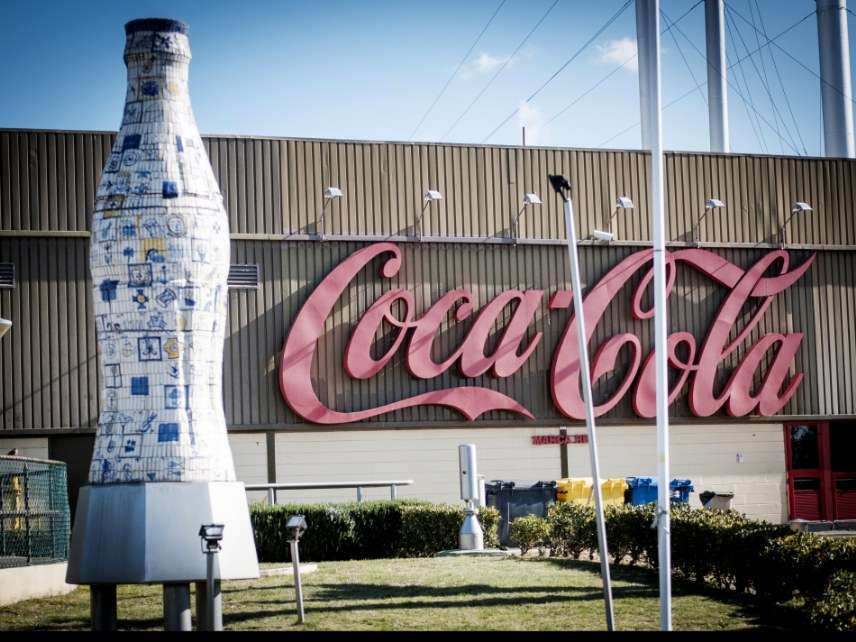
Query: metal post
298,586
645,51
717,82
651,30
835,85
102,607
176,607
271,498
585,376
27,512
359,494
392,491
209,599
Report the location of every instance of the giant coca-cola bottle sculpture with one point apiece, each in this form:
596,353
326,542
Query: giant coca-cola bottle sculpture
159,259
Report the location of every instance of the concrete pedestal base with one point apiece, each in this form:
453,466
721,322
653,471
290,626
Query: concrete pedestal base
146,533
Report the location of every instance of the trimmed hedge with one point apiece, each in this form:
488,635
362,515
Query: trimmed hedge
365,530
728,551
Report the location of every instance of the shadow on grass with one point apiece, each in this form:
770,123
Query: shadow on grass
767,616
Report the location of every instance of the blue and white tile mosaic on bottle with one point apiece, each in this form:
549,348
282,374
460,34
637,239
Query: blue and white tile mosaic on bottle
159,261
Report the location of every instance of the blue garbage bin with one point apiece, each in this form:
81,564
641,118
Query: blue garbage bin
681,489
643,490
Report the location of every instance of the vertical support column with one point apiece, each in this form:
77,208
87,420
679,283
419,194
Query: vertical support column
102,607
835,86
563,452
717,78
206,621
176,607
646,54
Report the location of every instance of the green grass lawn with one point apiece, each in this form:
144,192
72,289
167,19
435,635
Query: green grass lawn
432,593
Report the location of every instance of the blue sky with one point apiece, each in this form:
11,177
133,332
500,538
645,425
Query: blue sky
370,69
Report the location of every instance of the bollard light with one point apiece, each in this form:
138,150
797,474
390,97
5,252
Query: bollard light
211,535
296,526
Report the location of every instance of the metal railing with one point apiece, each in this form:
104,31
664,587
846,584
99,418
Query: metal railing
34,515
359,485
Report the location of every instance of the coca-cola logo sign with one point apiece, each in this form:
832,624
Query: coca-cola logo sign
414,335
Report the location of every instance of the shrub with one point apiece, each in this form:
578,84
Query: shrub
727,550
571,529
365,530
835,610
529,531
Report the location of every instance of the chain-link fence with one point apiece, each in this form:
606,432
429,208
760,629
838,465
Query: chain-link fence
34,516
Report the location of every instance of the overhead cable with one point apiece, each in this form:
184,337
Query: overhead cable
562,67
617,69
499,71
457,69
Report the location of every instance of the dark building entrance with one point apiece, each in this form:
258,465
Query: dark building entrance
821,461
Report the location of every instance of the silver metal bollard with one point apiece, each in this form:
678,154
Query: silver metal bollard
212,617
176,607
296,524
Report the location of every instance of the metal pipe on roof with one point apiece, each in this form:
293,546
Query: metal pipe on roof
717,79
835,84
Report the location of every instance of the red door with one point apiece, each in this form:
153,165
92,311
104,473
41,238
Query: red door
821,461
842,457
804,453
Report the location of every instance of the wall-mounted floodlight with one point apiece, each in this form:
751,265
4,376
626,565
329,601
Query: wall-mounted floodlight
799,207
329,194
296,525
5,325
529,198
709,204
621,203
431,195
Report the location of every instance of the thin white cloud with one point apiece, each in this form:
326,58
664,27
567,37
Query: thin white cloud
619,52
485,63
532,119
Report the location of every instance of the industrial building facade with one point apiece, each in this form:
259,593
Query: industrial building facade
371,333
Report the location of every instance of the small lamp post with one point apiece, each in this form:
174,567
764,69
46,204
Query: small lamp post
295,526
212,617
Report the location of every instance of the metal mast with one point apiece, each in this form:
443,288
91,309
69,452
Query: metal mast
648,39
835,85
717,80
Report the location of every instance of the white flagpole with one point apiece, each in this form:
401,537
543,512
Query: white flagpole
563,188
648,36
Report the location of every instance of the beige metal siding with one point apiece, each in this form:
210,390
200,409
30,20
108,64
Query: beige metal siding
273,187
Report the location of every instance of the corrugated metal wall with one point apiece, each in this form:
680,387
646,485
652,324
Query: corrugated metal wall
273,189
